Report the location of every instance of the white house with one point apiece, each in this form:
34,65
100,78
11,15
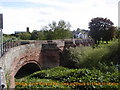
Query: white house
83,34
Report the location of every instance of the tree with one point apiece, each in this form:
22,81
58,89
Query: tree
37,35
117,32
107,35
101,29
24,36
60,30
49,35
34,35
41,35
64,30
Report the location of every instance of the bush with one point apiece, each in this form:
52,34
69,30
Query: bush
67,75
103,57
64,75
73,57
50,73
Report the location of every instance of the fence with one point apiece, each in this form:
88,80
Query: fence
5,46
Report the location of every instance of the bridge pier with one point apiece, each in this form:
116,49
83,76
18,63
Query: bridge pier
50,55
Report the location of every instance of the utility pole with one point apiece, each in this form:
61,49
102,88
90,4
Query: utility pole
1,34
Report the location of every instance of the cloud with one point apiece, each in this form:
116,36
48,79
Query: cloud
12,0
77,12
17,19
49,2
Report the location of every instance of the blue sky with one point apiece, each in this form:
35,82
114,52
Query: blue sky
19,14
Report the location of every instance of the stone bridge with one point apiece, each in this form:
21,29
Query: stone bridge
25,59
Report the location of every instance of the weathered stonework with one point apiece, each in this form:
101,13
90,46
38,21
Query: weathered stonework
18,57
38,54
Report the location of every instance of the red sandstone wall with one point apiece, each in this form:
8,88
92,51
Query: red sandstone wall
17,57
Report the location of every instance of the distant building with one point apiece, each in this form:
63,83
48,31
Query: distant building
83,34
20,32
17,32
27,30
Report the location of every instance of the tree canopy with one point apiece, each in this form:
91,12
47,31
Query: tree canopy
60,30
24,36
101,29
52,31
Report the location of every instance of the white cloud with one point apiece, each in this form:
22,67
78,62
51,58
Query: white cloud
17,19
50,2
78,13
12,0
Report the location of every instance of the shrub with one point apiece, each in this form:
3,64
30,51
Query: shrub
64,75
104,57
74,56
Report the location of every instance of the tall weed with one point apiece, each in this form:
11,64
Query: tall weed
100,57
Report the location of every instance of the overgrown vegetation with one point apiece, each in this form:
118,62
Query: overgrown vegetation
61,77
94,68
105,57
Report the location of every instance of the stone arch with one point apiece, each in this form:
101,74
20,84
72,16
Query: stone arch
27,68
19,68
25,61
29,55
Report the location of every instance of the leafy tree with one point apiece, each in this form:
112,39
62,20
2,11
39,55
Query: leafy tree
63,30
40,35
37,35
107,34
117,33
34,35
60,30
24,36
101,29
49,35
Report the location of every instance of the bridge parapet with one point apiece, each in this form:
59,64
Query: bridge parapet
50,45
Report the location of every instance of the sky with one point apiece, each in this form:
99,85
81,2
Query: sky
35,14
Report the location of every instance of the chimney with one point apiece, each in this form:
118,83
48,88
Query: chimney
28,29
